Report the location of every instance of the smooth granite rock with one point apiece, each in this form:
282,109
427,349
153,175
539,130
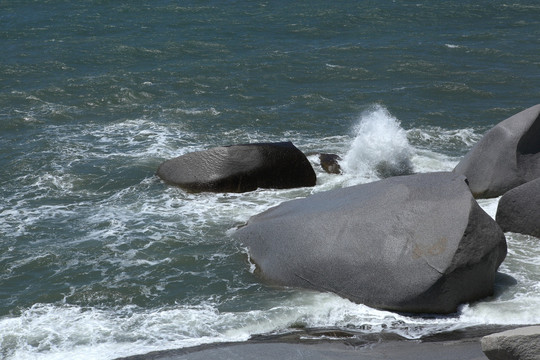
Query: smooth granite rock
518,344
240,168
519,209
417,243
507,156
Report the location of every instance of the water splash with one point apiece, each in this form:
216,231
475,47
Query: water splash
380,146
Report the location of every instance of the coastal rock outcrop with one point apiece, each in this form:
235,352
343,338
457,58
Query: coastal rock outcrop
330,163
417,243
519,209
507,156
240,168
517,344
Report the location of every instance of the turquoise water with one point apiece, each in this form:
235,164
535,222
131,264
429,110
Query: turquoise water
100,259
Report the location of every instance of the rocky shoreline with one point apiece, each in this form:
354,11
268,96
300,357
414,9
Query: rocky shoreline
319,344
426,246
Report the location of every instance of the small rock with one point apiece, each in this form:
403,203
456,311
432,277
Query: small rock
330,163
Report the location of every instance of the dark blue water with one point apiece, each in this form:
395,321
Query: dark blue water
98,258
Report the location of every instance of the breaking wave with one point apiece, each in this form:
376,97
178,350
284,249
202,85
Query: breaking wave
380,146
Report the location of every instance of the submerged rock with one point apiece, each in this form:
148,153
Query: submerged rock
518,344
417,243
240,168
330,163
398,167
507,156
519,209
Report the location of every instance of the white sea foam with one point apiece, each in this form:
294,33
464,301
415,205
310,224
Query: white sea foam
436,138
194,111
62,331
489,205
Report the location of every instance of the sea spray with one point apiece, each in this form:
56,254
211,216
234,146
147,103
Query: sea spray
380,146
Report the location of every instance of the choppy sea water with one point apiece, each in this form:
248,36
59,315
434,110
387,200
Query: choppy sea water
100,259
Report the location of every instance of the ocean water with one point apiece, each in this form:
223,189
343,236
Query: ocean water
100,259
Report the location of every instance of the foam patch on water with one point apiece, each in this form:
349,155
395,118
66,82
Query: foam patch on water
61,332
445,141
489,206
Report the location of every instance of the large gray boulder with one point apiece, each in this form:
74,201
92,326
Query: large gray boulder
240,168
507,156
519,209
417,243
518,344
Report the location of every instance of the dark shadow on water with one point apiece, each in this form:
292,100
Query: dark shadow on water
502,283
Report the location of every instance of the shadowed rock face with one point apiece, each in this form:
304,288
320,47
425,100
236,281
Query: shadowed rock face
519,209
416,243
240,168
507,156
